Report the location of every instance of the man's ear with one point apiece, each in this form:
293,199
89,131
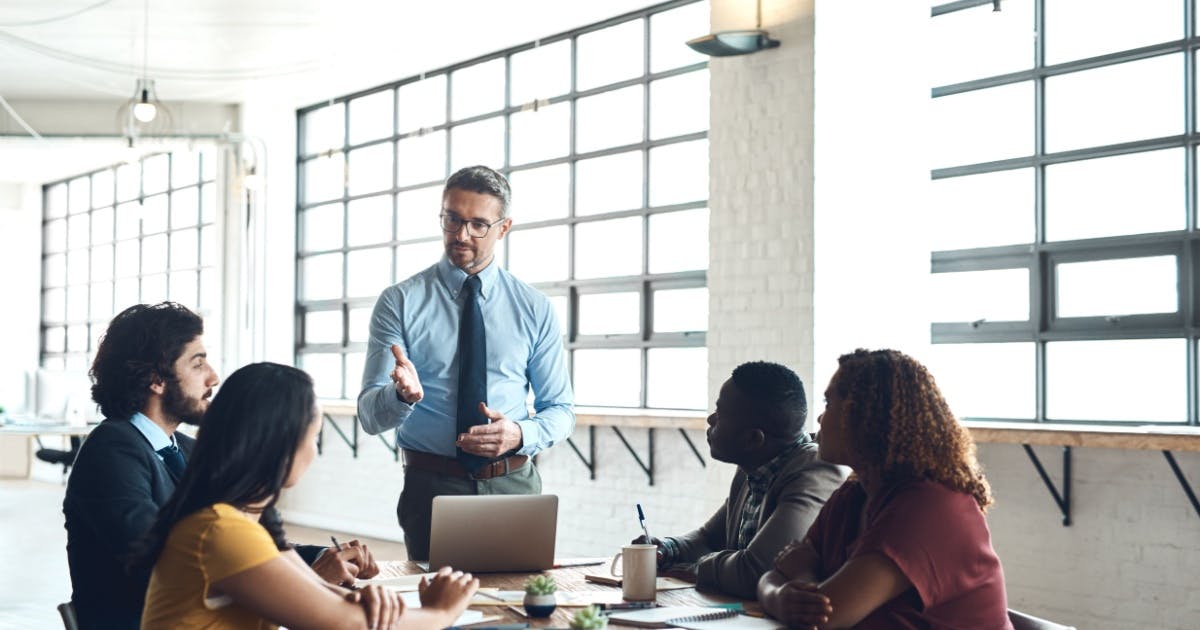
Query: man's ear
755,438
158,385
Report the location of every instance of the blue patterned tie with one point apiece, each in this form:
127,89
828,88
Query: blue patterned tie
173,458
472,369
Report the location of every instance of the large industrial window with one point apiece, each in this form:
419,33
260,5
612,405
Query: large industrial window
603,134
1064,183
145,231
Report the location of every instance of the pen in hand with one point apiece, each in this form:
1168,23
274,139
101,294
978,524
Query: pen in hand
642,520
338,547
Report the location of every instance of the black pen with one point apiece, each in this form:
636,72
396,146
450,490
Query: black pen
626,605
338,547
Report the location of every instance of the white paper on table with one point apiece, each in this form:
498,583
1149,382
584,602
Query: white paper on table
412,599
401,583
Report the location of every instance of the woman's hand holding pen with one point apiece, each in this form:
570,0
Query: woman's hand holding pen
342,564
333,568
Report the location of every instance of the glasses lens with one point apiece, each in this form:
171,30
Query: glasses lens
475,229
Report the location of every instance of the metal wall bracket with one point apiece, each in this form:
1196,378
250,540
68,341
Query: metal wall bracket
648,469
695,451
1187,488
391,446
1063,500
351,440
590,460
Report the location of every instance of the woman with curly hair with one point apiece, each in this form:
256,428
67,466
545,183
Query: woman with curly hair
904,542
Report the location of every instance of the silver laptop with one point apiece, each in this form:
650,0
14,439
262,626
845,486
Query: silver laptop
493,533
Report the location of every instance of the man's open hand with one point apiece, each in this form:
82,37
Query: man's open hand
491,440
404,375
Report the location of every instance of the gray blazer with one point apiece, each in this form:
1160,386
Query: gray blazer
792,503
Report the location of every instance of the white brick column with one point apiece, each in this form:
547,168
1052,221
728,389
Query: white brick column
760,276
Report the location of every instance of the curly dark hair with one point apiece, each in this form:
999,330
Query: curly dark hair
777,393
901,425
140,348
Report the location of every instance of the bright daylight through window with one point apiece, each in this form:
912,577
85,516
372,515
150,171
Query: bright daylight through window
140,232
603,132
1064,185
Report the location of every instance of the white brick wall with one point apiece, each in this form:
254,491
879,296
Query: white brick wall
1129,558
760,276
597,517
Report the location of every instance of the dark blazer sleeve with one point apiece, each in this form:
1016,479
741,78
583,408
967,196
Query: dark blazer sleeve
113,491
309,553
799,494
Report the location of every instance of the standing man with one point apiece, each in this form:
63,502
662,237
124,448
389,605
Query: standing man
780,486
151,374
453,354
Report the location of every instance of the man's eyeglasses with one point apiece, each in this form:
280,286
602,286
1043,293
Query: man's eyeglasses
475,229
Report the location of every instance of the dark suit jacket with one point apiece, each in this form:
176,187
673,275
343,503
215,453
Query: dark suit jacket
113,496
791,504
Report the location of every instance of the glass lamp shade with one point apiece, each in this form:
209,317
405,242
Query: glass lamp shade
144,110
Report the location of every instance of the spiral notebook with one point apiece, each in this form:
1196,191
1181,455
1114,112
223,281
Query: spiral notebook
693,617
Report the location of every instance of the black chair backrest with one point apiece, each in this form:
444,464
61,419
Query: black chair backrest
1022,621
67,611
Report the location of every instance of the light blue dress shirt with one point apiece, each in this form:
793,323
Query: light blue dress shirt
524,352
154,434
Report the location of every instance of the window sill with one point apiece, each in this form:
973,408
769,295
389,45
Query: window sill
587,416
1145,437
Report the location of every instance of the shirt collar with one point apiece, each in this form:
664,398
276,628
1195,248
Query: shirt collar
453,277
761,477
154,434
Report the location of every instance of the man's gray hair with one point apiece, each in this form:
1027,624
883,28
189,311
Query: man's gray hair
482,180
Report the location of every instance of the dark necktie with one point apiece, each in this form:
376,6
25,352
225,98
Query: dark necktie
173,458
472,369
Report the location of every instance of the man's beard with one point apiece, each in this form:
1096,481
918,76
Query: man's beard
180,406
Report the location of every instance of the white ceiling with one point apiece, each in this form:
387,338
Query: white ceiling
227,51
213,50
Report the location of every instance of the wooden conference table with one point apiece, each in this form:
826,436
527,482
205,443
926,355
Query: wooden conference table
571,585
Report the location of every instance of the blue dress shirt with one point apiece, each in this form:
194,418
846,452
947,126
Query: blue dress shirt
157,438
524,352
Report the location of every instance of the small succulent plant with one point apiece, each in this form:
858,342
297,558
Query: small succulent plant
540,585
589,619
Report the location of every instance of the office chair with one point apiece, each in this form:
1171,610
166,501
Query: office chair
59,456
67,610
1022,621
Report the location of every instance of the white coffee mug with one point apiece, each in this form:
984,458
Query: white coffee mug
639,570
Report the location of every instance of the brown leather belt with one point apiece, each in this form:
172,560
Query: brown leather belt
451,466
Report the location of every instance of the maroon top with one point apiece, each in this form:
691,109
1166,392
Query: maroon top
939,539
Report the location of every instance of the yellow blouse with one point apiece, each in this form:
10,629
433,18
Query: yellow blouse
207,546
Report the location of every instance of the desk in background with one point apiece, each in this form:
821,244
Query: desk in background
15,457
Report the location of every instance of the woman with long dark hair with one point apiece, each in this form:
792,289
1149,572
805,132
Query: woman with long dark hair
904,542
216,565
